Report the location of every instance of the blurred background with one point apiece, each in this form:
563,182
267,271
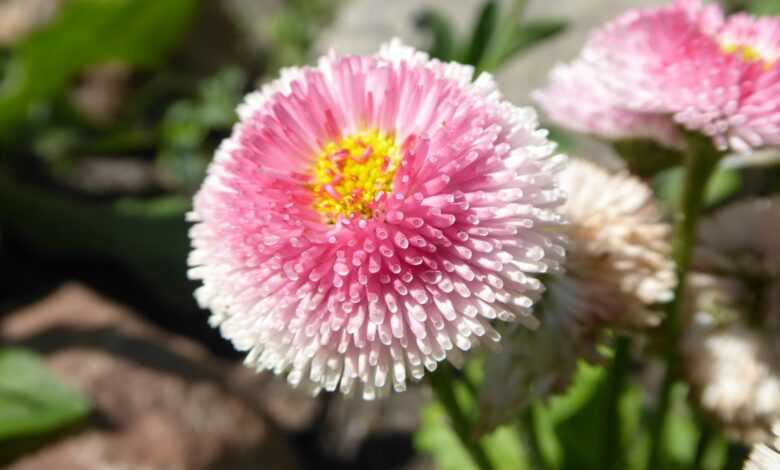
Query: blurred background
110,111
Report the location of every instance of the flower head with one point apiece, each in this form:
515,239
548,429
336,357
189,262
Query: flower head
732,358
735,375
620,253
370,217
577,98
617,266
689,64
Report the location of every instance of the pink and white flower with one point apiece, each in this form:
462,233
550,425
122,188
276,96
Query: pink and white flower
576,98
686,62
370,217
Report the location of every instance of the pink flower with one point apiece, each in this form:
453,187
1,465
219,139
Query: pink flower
577,99
370,217
688,63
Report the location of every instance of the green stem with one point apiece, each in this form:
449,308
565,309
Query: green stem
700,162
531,441
705,439
443,384
612,452
736,456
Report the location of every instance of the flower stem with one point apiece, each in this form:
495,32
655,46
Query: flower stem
443,385
612,452
736,456
705,439
700,161
531,441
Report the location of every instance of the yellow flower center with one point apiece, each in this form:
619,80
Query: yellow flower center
351,174
747,52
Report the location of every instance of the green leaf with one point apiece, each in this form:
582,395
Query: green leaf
503,448
582,432
646,158
148,236
219,96
184,154
500,40
32,400
572,426
765,7
683,432
436,436
482,34
443,43
87,32
565,140
530,34
724,183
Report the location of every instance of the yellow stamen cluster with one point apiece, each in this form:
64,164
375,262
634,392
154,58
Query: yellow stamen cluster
349,175
747,52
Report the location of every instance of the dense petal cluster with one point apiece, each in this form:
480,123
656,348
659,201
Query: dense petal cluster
620,253
618,265
371,216
686,63
732,347
735,376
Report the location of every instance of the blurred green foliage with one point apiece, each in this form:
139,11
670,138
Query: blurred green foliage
33,403
764,7
148,236
172,120
572,431
646,158
725,182
437,437
87,32
294,29
184,153
499,33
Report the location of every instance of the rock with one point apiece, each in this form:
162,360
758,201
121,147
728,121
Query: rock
161,401
100,93
289,409
115,174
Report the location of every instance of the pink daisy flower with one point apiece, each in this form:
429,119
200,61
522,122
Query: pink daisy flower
577,99
690,64
370,217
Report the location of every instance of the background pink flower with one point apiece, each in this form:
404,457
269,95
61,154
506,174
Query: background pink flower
370,217
690,63
578,99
